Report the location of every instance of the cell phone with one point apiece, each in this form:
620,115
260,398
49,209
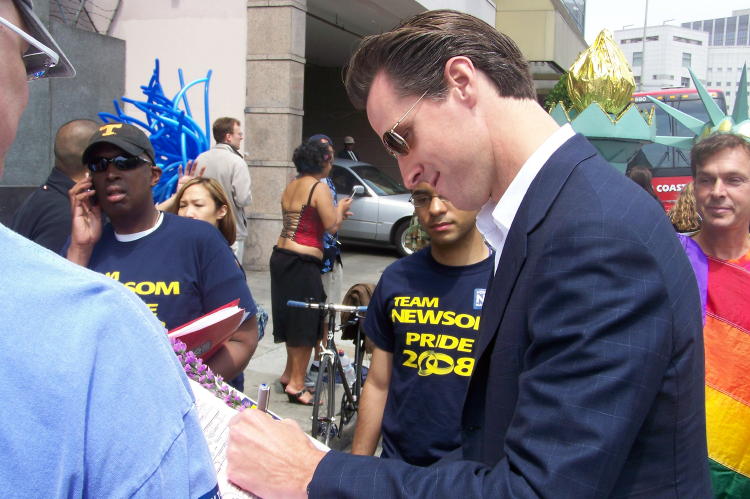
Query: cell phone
93,199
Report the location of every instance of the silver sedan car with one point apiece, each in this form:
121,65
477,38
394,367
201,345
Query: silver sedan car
381,212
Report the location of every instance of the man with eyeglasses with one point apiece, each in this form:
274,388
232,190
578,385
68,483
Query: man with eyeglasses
424,321
182,268
93,401
588,380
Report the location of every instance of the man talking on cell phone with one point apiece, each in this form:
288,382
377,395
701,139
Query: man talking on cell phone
94,401
182,268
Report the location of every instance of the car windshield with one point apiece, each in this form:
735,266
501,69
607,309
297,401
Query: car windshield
382,184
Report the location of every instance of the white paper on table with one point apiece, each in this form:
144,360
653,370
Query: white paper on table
214,416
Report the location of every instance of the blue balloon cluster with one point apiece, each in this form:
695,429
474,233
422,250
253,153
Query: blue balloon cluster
169,123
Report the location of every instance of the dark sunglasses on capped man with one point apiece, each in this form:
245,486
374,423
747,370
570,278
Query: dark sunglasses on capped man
122,163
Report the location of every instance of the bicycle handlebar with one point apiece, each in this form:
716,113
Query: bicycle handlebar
326,306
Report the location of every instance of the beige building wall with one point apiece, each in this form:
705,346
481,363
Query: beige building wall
194,35
546,34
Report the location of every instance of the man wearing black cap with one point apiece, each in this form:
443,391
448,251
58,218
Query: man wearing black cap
181,268
94,403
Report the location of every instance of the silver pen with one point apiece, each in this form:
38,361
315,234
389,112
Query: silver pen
263,391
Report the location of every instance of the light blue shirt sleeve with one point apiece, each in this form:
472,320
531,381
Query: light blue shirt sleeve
94,401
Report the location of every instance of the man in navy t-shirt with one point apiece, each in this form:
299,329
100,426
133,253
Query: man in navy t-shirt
181,268
424,321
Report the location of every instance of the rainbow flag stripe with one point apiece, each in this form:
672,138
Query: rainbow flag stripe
727,343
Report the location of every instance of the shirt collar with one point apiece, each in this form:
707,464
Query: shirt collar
494,219
127,238
222,145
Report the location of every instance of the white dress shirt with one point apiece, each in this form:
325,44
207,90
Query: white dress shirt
494,219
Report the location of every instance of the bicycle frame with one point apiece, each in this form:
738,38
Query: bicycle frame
329,353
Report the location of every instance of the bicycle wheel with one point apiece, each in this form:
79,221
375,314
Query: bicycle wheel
324,403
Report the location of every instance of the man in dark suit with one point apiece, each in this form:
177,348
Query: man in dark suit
348,151
588,380
45,215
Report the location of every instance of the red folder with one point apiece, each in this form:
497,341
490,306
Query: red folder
205,335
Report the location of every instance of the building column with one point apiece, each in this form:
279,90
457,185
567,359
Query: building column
273,115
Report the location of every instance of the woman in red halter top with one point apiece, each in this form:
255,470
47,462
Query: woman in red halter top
308,211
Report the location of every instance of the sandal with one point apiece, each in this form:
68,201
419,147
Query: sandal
297,397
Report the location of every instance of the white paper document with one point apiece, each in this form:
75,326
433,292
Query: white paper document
214,416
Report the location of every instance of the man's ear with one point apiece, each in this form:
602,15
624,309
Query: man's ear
461,77
155,175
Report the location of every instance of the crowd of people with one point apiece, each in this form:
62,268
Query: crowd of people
552,339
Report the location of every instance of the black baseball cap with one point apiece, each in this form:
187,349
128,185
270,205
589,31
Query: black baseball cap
129,138
36,29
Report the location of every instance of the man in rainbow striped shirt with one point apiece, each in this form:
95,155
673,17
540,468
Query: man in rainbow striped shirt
720,255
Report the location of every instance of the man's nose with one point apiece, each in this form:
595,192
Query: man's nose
437,206
112,171
411,173
718,189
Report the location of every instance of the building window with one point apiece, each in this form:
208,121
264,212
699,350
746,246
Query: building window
708,84
729,83
685,82
638,79
728,93
719,31
731,33
654,38
687,40
708,26
686,59
742,30
577,10
637,59
719,69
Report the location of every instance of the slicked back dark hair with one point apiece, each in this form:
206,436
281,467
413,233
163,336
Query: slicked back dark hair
710,146
414,54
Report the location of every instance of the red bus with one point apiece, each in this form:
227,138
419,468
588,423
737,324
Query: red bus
670,166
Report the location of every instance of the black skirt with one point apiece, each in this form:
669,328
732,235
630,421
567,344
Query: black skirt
295,276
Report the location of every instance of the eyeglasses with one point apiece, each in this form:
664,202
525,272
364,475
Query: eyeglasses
122,163
39,58
421,200
395,143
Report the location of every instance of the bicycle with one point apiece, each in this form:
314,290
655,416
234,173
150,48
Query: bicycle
324,421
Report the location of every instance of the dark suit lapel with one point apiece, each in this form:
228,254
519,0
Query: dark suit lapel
534,207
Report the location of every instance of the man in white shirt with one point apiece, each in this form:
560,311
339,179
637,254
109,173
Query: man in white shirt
225,163
589,361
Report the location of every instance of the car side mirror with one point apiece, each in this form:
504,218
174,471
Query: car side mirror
358,190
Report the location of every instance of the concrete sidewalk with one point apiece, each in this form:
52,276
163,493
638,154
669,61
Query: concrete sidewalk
361,264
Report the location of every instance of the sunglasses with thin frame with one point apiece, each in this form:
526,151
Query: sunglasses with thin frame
394,143
39,58
122,163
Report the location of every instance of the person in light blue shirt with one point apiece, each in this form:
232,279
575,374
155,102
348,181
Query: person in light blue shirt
93,401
